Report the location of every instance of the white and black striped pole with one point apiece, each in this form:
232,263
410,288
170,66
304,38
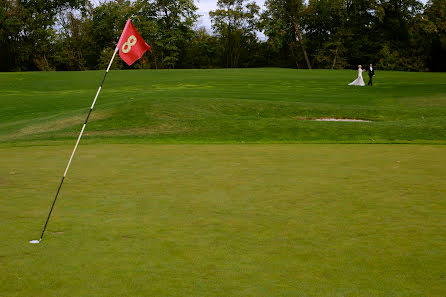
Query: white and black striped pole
75,147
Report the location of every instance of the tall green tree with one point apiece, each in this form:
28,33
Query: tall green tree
73,39
202,51
341,33
394,30
28,31
13,56
282,22
235,22
168,27
325,31
394,23
434,29
106,24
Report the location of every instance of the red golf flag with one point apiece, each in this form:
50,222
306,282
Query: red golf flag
131,46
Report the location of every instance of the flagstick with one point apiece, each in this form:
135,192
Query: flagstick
75,147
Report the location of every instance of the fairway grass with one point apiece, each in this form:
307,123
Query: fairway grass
220,183
224,220
267,105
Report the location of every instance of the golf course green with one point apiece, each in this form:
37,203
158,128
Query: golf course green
221,183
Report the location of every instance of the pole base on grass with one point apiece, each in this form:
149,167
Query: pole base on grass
34,241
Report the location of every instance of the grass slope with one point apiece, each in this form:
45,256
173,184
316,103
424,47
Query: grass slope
225,220
228,105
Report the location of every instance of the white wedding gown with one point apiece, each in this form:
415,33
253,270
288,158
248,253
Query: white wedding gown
359,81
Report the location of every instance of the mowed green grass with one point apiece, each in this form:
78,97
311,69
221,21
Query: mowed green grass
162,199
224,106
225,220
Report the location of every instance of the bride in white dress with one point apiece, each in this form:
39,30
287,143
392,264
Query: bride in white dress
359,81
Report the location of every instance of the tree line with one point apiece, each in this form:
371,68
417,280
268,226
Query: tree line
329,34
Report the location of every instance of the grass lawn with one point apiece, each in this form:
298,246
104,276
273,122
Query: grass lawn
218,183
225,220
228,105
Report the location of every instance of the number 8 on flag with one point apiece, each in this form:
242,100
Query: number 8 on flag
131,45
126,47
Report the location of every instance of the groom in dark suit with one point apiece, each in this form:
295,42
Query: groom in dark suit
371,72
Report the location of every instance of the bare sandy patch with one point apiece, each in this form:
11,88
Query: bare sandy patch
339,120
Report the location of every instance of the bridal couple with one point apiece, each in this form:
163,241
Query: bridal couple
360,81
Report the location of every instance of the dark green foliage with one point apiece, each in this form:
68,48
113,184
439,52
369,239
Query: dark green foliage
167,27
328,34
235,22
27,32
434,29
202,51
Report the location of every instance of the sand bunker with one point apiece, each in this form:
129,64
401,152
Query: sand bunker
339,120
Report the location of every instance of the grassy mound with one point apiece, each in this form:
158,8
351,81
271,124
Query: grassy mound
228,105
